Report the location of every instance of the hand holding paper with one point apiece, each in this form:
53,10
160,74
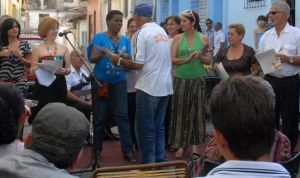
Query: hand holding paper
221,71
268,61
44,77
50,66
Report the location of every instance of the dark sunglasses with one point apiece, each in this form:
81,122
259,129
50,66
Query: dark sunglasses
274,12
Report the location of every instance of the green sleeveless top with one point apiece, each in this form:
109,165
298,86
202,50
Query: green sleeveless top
194,68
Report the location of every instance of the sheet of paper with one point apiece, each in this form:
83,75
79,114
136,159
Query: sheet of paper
222,72
47,67
44,77
106,50
268,62
50,65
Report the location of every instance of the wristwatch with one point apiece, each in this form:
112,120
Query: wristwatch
291,60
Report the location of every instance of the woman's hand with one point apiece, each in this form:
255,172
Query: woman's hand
114,58
191,56
18,53
63,71
199,55
4,53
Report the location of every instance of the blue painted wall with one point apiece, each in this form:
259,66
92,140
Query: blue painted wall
165,8
215,10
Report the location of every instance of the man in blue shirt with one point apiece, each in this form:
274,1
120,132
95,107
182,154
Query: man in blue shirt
113,79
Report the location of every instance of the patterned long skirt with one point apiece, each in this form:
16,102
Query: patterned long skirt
187,123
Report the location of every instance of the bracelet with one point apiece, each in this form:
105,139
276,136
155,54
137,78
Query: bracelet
119,61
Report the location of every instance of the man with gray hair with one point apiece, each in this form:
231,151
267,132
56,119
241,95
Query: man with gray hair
53,147
151,57
285,40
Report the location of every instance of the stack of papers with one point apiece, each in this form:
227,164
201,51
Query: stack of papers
268,61
46,70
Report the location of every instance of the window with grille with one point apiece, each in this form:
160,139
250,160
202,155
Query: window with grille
195,6
254,3
69,1
164,9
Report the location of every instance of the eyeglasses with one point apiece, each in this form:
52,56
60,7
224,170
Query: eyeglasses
208,23
189,12
274,12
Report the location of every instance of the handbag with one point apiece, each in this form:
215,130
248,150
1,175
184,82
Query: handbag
103,90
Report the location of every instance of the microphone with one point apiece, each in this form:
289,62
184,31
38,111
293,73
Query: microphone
64,33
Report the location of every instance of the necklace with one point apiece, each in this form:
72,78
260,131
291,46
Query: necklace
52,53
14,45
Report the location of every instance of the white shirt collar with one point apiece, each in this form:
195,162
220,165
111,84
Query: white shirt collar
285,30
72,69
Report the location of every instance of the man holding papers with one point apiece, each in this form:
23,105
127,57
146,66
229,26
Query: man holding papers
285,40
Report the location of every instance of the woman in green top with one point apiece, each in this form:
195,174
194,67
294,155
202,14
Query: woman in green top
189,52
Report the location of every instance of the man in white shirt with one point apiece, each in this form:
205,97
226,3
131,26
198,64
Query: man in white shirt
209,32
151,57
285,40
79,86
219,38
242,112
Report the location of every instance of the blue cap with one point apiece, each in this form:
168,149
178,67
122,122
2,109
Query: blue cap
144,10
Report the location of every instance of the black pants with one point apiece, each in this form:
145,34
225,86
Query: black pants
131,116
287,105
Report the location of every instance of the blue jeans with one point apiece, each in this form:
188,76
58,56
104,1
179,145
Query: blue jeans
150,127
118,100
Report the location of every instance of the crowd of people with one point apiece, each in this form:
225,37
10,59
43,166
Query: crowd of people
154,81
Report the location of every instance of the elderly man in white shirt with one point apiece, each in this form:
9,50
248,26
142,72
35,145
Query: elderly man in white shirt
79,86
285,40
219,38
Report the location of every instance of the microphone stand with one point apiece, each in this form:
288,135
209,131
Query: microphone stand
94,92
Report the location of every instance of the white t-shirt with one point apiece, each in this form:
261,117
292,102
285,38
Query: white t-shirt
288,44
219,37
152,49
73,79
249,169
131,81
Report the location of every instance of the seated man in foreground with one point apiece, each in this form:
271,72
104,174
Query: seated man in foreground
54,146
242,112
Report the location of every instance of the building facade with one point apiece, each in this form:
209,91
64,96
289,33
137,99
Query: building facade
246,12
97,10
14,8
